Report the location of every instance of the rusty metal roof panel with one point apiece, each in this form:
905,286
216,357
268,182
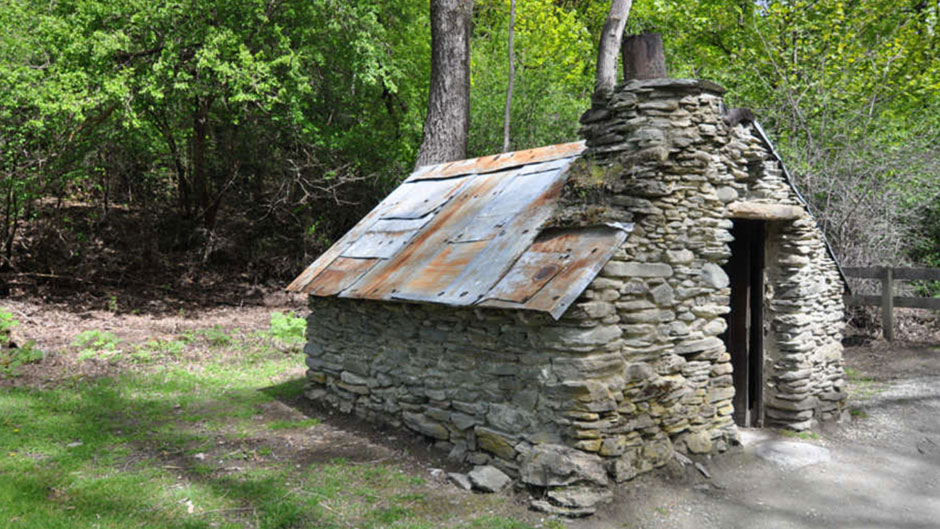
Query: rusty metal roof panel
390,279
498,162
556,269
339,275
468,233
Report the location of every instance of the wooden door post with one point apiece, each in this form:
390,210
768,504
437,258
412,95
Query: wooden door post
887,304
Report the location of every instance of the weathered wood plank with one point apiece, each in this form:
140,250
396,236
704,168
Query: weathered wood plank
907,274
928,274
903,302
867,272
761,211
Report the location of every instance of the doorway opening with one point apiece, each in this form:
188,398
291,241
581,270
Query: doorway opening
744,338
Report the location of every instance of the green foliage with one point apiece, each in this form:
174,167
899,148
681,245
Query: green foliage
12,358
293,110
287,328
96,344
216,336
858,414
159,347
7,323
806,436
554,74
191,104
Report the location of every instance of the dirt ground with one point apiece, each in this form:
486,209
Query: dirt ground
883,472
884,459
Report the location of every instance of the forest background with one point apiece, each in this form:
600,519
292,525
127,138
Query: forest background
180,142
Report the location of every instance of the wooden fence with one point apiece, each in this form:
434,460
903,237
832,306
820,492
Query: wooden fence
887,300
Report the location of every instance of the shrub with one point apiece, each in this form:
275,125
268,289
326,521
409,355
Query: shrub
13,358
95,343
287,328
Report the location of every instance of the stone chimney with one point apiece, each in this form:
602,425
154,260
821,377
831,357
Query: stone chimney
662,157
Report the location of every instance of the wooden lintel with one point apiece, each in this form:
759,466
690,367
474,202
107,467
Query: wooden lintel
761,211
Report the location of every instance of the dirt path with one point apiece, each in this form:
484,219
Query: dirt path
883,469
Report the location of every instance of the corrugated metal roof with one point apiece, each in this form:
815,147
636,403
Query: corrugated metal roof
469,233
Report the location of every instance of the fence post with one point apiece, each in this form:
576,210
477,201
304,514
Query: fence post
887,304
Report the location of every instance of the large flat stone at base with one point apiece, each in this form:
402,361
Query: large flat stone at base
546,507
580,497
489,479
462,481
550,465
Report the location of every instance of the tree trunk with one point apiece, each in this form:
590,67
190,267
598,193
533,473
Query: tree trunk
609,46
11,235
200,177
8,233
448,118
512,73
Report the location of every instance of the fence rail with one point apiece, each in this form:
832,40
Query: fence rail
887,300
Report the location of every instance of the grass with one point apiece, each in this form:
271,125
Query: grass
862,386
806,436
183,441
854,375
290,425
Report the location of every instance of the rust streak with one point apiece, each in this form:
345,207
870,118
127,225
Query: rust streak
384,279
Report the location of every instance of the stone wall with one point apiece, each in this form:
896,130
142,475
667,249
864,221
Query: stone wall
488,384
637,367
804,311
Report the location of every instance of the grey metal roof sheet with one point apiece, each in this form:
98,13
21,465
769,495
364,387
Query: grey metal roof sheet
469,233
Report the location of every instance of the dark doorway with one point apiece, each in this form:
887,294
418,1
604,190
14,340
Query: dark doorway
744,337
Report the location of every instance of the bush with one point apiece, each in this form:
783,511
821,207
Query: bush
287,328
14,357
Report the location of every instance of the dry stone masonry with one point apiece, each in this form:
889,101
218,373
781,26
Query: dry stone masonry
637,369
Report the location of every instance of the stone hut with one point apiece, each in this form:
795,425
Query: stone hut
578,313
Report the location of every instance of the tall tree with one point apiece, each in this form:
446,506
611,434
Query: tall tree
512,73
448,119
609,46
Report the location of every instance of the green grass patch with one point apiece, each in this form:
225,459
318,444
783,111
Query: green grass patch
800,435
96,344
216,336
854,375
184,443
290,425
862,386
287,328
